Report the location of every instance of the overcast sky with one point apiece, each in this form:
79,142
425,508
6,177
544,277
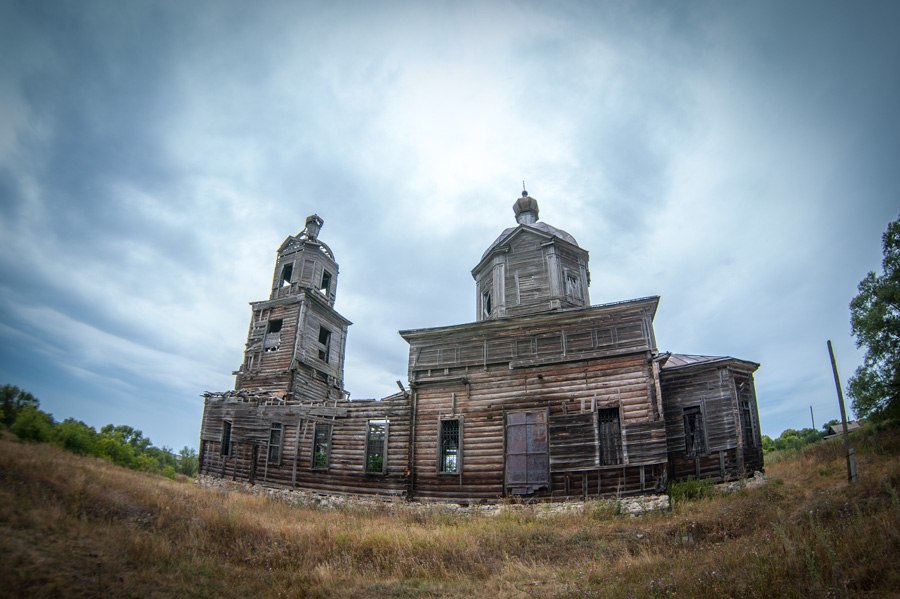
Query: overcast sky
738,159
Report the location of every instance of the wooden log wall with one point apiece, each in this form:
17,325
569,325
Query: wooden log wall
713,390
318,315
745,391
527,279
572,393
557,338
269,370
252,423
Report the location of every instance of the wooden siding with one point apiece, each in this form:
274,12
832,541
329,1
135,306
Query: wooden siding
565,336
252,421
713,390
571,392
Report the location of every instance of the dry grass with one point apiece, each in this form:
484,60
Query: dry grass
76,526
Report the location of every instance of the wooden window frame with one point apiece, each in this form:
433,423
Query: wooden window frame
321,426
695,412
276,461
325,283
487,304
325,346
225,447
287,272
620,454
369,444
441,448
269,325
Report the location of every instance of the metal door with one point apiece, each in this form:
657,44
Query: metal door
527,455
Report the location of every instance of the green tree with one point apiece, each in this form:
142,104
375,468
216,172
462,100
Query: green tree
33,424
875,321
12,401
76,436
188,461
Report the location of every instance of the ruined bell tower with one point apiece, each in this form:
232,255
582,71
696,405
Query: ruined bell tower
296,342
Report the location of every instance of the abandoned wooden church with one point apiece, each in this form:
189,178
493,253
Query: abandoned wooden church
544,395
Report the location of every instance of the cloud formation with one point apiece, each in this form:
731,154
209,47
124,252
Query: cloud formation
739,161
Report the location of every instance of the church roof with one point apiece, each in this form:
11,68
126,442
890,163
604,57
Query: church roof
685,360
540,226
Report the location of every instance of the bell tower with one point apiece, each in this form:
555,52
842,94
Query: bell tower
296,342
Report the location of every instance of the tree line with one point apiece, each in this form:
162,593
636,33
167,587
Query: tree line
120,444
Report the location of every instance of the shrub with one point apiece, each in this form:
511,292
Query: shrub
689,490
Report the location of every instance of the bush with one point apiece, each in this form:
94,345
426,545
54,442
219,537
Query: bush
32,424
690,489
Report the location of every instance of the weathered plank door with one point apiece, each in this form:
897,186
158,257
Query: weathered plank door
527,452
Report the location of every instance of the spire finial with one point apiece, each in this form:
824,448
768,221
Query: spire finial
524,193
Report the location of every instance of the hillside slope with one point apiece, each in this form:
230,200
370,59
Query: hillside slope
72,526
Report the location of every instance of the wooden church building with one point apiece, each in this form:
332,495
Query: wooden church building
544,395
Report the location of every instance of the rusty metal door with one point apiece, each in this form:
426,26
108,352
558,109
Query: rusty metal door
527,455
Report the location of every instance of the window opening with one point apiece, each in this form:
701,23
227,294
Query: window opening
486,304
226,438
272,340
747,425
694,437
573,286
321,446
325,285
610,436
376,446
286,271
275,437
325,341
449,446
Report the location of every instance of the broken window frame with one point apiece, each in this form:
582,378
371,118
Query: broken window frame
486,304
287,271
694,432
272,338
325,349
572,283
325,283
609,436
449,448
321,460
747,429
376,445
225,448
276,439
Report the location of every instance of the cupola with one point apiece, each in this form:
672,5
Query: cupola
526,209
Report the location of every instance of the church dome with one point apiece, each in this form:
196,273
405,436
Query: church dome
526,210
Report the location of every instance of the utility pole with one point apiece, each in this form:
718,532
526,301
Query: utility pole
851,453
812,417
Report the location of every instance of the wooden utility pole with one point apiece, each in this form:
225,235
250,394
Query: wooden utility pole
851,453
812,417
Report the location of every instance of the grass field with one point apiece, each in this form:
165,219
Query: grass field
73,526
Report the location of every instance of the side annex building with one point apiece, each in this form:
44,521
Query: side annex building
543,396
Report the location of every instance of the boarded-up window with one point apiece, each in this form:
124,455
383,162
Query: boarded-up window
325,342
527,452
448,452
376,446
694,435
276,434
610,436
321,446
226,437
286,271
272,340
325,285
